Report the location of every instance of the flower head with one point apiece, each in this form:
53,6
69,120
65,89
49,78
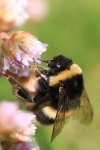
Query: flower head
20,50
28,146
15,125
37,9
12,13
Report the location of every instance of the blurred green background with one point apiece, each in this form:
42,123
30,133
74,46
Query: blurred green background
72,29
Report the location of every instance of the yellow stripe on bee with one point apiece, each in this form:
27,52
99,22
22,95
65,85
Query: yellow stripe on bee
51,112
63,75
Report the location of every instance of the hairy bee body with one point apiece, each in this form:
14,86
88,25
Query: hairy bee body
61,94
46,109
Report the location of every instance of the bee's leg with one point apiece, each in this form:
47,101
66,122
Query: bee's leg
44,84
23,94
43,89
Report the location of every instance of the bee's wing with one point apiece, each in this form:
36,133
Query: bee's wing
81,111
60,116
84,112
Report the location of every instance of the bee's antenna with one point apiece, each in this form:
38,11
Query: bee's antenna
45,61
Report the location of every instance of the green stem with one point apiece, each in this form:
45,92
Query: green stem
8,145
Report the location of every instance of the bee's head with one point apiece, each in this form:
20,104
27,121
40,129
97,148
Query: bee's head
59,63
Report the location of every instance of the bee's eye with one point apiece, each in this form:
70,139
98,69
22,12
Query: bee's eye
58,65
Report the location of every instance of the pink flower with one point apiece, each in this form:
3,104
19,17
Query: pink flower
28,146
19,51
15,125
5,145
37,9
12,13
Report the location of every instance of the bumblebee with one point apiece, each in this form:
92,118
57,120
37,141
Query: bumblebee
61,95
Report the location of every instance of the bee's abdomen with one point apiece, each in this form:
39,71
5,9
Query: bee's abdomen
43,113
74,86
42,117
